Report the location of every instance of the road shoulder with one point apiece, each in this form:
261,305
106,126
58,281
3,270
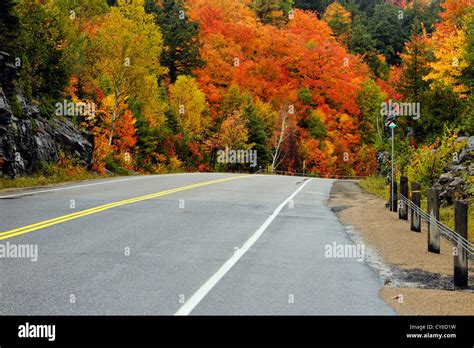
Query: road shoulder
416,282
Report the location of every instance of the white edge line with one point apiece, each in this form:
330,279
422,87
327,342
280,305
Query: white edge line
194,300
88,185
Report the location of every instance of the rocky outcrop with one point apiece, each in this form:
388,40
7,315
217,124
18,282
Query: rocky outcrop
383,164
26,138
457,180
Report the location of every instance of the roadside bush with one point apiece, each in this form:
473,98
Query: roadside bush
113,165
63,170
427,162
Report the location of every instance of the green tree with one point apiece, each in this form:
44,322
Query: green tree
468,75
272,11
231,101
371,122
257,136
422,15
40,47
82,10
9,25
439,107
360,41
388,27
149,142
339,19
304,96
316,126
181,51
313,5
77,17
415,65
468,78
367,6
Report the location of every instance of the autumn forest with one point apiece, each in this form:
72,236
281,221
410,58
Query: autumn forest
164,85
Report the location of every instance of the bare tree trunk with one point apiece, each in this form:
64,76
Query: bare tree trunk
281,138
379,132
114,118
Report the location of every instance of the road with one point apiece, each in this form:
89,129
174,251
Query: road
198,244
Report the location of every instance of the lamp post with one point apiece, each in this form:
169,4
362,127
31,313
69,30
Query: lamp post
392,126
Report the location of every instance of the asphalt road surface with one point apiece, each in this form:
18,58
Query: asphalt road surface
198,244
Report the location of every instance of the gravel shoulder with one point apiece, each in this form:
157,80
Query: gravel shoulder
416,282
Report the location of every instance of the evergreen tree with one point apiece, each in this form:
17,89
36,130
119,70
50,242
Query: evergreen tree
316,126
8,25
257,135
469,73
367,6
388,27
468,78
44,71
416,57
360,41
339,19
439,107
180,37
313,5
272,11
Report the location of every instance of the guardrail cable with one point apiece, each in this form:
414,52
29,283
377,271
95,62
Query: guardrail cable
322,176
445,230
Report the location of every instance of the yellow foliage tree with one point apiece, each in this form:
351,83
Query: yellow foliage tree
339,19
233,133
128,46
450,46
188,105
449,65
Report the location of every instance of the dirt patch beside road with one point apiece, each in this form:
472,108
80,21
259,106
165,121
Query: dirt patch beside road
401,258
428,302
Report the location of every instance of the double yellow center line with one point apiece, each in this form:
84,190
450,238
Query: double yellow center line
59,220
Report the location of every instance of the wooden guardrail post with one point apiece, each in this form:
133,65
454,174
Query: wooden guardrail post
433,228
393,197
460,254
415,223
403,208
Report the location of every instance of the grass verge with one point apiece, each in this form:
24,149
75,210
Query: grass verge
379,186
42,180
48,174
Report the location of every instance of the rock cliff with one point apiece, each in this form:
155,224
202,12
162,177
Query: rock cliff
28,139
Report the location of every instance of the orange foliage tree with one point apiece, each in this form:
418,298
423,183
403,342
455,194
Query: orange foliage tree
273,64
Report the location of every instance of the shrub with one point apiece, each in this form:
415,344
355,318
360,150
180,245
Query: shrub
427,162
114,166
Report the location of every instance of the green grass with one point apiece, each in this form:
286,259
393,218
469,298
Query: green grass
50,174
446,216
379,186
41,180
